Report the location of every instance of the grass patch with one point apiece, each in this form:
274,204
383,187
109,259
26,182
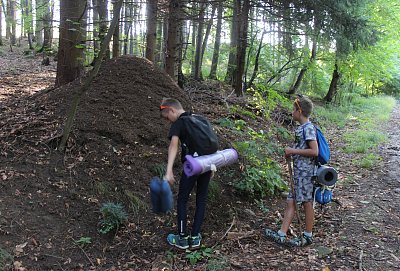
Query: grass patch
362,141
368,161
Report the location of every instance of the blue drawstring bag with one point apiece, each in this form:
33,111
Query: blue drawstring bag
322,195
161,195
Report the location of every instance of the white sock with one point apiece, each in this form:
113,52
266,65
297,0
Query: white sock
281,233
308,234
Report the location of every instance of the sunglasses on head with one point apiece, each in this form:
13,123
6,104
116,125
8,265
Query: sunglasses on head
296,101
162,107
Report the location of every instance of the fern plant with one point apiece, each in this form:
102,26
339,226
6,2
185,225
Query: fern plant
114,216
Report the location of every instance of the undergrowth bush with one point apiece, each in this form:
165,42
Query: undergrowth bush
262,175
114,216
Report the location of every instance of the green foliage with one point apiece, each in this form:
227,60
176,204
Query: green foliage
239,110
83,241
369,161
114,216
262,174
6,260
135,202
198,255
267,99
261,206
362,141
159,170
214,190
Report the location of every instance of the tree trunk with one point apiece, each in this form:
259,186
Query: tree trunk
151,34
70,51
115,43
102,10
231,71
242,46
334,84
92,74
217,43
1,23
256,62
46,25
13,18
199,38
172,40
39,23
303,71
95,26
205,40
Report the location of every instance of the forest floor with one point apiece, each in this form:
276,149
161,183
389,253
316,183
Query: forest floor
50,202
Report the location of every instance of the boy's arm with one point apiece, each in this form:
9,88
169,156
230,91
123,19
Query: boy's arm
172,152
312,151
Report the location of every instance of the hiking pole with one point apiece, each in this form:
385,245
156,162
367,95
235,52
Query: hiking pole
291,181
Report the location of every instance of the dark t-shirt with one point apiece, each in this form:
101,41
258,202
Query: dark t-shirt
178,129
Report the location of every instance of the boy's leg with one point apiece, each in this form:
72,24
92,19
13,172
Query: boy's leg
185,187
309,214
288,215
201,201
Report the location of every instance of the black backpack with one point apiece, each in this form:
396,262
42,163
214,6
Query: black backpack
200,136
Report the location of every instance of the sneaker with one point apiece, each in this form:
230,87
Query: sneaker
179,241
274,236
301,242
195,241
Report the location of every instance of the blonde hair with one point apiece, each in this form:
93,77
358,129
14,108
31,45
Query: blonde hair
304,104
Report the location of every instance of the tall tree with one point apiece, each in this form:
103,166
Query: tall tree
197,61
241,46
47,19
13,21
217,43
72,37
151,29
230,73
1,23
174,14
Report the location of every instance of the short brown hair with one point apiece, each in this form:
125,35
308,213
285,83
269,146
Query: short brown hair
170,102
304,104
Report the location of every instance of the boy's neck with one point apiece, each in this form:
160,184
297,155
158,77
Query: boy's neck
303,120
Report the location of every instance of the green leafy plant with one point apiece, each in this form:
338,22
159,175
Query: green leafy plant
114,216
159,170
83,241
196,256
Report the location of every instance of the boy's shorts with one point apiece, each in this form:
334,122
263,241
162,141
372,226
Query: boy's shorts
303,187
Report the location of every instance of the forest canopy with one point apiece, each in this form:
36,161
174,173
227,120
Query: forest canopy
329,49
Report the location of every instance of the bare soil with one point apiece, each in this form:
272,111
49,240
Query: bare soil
49,200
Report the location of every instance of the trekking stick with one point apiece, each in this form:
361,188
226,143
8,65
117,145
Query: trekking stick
291,181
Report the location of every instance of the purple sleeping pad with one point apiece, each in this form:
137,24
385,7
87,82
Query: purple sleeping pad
200,164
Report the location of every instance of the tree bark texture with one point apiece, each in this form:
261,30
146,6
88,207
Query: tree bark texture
217,43
172,40
197,62
242,46
72,37
151,34
334,84
231,70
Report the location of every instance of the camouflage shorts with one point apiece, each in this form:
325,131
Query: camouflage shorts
303,187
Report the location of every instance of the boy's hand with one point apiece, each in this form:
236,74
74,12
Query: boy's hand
169,176
288,152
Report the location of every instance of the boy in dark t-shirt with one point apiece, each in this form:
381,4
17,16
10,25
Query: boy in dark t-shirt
173,112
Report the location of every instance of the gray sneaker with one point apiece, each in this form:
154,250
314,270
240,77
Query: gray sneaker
274,236
195,241
301,242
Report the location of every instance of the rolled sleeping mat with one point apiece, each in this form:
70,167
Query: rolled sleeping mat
200,164
327,175
161,195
